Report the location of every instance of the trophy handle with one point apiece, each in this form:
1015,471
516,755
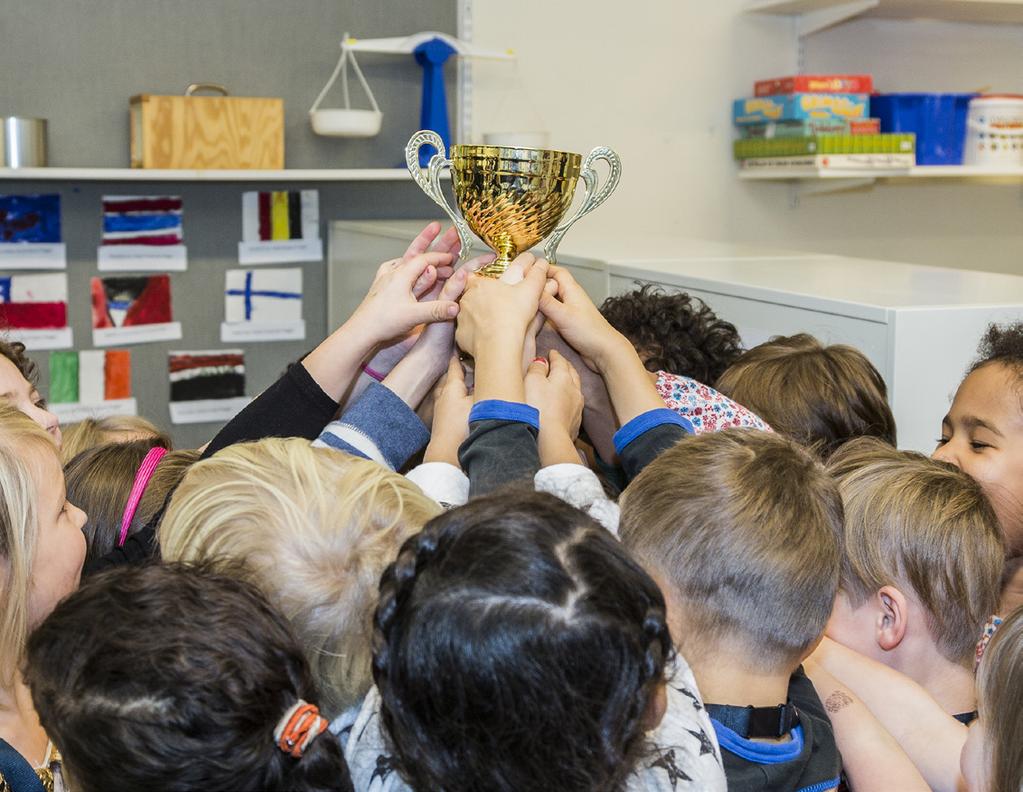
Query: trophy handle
429,181
594,197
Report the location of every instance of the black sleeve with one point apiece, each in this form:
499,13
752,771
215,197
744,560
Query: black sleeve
497,453
294,406
648,446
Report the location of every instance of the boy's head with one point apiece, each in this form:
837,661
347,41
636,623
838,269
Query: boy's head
922,559
674,332
982,434
743,528
820,396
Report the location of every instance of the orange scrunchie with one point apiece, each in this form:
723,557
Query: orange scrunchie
299,726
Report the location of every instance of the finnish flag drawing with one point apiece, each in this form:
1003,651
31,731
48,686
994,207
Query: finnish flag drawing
263,305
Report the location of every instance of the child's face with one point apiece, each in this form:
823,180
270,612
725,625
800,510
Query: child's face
973,759
982,435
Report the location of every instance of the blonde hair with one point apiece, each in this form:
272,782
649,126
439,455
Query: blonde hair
1000,704
99,481
913,521
746,528
314,529
91,432
820,396
20,440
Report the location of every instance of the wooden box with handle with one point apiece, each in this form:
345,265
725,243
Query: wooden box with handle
199,132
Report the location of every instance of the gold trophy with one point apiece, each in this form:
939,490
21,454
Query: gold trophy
511,197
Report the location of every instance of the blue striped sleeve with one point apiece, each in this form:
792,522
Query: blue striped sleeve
644,422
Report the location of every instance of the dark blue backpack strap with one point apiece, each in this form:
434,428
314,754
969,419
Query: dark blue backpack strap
18,773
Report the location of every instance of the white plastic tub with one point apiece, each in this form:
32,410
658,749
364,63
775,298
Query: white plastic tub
994,131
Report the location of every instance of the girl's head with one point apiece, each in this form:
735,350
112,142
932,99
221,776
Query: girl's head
91,432
518,646
983,431
165,678
100,480
41,542
313,529
674,332
18,375
992,759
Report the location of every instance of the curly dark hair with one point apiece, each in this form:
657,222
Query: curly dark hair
1001,344
674,332
517,646
14,351
171,678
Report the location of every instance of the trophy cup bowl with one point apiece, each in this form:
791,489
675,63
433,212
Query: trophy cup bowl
511,197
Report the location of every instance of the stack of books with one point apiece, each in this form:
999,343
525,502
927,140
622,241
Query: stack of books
816,121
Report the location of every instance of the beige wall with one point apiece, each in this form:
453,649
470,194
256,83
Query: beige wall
654,80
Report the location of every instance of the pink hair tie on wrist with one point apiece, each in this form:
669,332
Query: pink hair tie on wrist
145,473
372,373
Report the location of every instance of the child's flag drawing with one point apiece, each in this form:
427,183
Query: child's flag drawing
142,220
280,226
30,232
263,305
206,385
131,300
132,308
279,215
91,384
33,302
142,232
29,218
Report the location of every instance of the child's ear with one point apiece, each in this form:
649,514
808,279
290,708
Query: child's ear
892,614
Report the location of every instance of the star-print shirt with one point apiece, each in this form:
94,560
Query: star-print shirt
706,409
682,753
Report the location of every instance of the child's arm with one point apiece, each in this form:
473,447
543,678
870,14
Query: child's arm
871,758
553,388
494,319
931,738
647,427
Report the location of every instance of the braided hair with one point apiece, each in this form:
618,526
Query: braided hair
170,678
517,646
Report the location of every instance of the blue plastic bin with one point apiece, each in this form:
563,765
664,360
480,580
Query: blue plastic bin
939,121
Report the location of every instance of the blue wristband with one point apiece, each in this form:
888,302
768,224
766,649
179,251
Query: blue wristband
497,410
644,422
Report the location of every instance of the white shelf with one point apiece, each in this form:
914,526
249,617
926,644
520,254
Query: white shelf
917,172
160,175
814,15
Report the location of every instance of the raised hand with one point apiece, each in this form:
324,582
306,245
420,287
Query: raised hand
554,388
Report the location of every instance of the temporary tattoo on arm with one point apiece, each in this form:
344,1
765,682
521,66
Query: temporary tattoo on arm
837,701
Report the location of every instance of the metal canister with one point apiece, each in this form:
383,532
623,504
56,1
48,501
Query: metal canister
24,142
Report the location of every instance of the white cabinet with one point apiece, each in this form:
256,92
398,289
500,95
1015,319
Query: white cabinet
918,325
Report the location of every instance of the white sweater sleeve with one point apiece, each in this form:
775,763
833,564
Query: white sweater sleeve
579,486
442,481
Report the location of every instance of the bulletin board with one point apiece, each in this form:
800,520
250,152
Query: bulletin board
256,47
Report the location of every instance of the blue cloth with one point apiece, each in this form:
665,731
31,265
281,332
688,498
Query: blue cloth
644,422
433,112
497,410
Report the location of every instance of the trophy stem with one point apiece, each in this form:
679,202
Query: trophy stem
495,269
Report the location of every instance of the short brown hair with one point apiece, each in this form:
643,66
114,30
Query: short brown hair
99,482
917,522
820,396
746,528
